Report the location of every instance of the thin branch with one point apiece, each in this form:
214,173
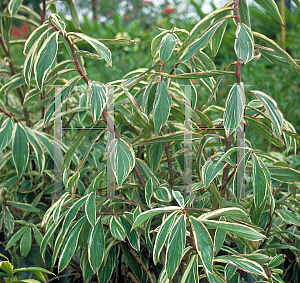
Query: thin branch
99,213
104,206
69,121
268,231
238,79
284,199
166,146
43,12
191,231
276,190
9,115
138,259
131,275
173,69
61,276
118,198
13,72
169,159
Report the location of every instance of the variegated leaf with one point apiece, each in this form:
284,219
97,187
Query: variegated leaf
234,109
244,43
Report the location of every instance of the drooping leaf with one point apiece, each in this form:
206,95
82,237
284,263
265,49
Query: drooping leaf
190,274
167,46
90,208
244,44
201,42
116,228
210,170
271,8
179,198
219,237
149,191
204,24
263,130
172,137
131,234
20,149
70,245
162,234
25,243
236,229
198,75
284,174
15,237
278,50
244,13
123,158
39,153
243,263
71,214
234,212
150,213
96,245
6,133
204,245
14,6
216,41
175,246
107,268
101,49
234,109
272,109
98,99
260,180
45,59
162,106
23,206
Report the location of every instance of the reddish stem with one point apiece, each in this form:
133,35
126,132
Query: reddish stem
99,213
85,78
43,12
9,115
13,72
118,198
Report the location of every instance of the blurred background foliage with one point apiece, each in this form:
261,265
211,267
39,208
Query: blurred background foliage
138,21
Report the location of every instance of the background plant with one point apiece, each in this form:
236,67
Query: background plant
148,230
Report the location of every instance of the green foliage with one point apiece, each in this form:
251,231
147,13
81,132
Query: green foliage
163,223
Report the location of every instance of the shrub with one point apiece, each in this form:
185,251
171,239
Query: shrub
190,200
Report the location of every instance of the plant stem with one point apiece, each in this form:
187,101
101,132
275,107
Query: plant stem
85,78
13,72
99,213
118,198
131,275
138,259
9,115
268,231
43,12
238,79
70,119
173,69
166,146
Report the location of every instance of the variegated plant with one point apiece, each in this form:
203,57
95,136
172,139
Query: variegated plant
231,223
